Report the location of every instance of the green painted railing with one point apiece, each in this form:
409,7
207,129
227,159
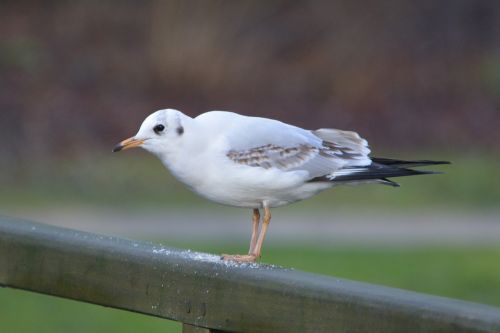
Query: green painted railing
209,295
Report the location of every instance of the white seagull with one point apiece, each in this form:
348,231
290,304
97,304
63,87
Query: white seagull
260,163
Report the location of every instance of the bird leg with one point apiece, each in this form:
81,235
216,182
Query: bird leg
265,224
255,230
250,257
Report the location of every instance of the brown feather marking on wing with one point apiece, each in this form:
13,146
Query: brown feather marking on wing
271,155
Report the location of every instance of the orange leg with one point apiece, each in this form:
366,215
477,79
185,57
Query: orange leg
265,224
255,230
250,257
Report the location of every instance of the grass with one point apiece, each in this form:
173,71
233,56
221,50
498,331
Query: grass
112,180
466,273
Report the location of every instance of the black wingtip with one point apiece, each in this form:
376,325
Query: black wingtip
438,162
389,182
405,163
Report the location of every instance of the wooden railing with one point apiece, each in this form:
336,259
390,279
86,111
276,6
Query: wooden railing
210,295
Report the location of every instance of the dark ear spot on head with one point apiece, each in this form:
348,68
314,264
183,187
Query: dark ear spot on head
180,130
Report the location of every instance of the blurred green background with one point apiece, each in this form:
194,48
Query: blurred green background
419,80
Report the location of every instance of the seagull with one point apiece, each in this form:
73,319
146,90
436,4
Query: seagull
260,163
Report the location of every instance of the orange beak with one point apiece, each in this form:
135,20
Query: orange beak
127,144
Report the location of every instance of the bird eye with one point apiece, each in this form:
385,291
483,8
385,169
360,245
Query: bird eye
158,128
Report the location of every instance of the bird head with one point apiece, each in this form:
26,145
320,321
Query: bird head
158,131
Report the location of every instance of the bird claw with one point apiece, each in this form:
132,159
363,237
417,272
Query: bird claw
239,257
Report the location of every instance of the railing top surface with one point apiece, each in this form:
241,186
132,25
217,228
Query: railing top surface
200,289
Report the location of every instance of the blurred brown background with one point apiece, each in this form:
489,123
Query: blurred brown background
418,79
79,75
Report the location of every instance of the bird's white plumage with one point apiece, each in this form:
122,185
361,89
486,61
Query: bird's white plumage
249,161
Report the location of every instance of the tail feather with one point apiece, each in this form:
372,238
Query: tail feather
403,163
385,181
379,171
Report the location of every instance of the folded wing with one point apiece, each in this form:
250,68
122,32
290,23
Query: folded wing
320,153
